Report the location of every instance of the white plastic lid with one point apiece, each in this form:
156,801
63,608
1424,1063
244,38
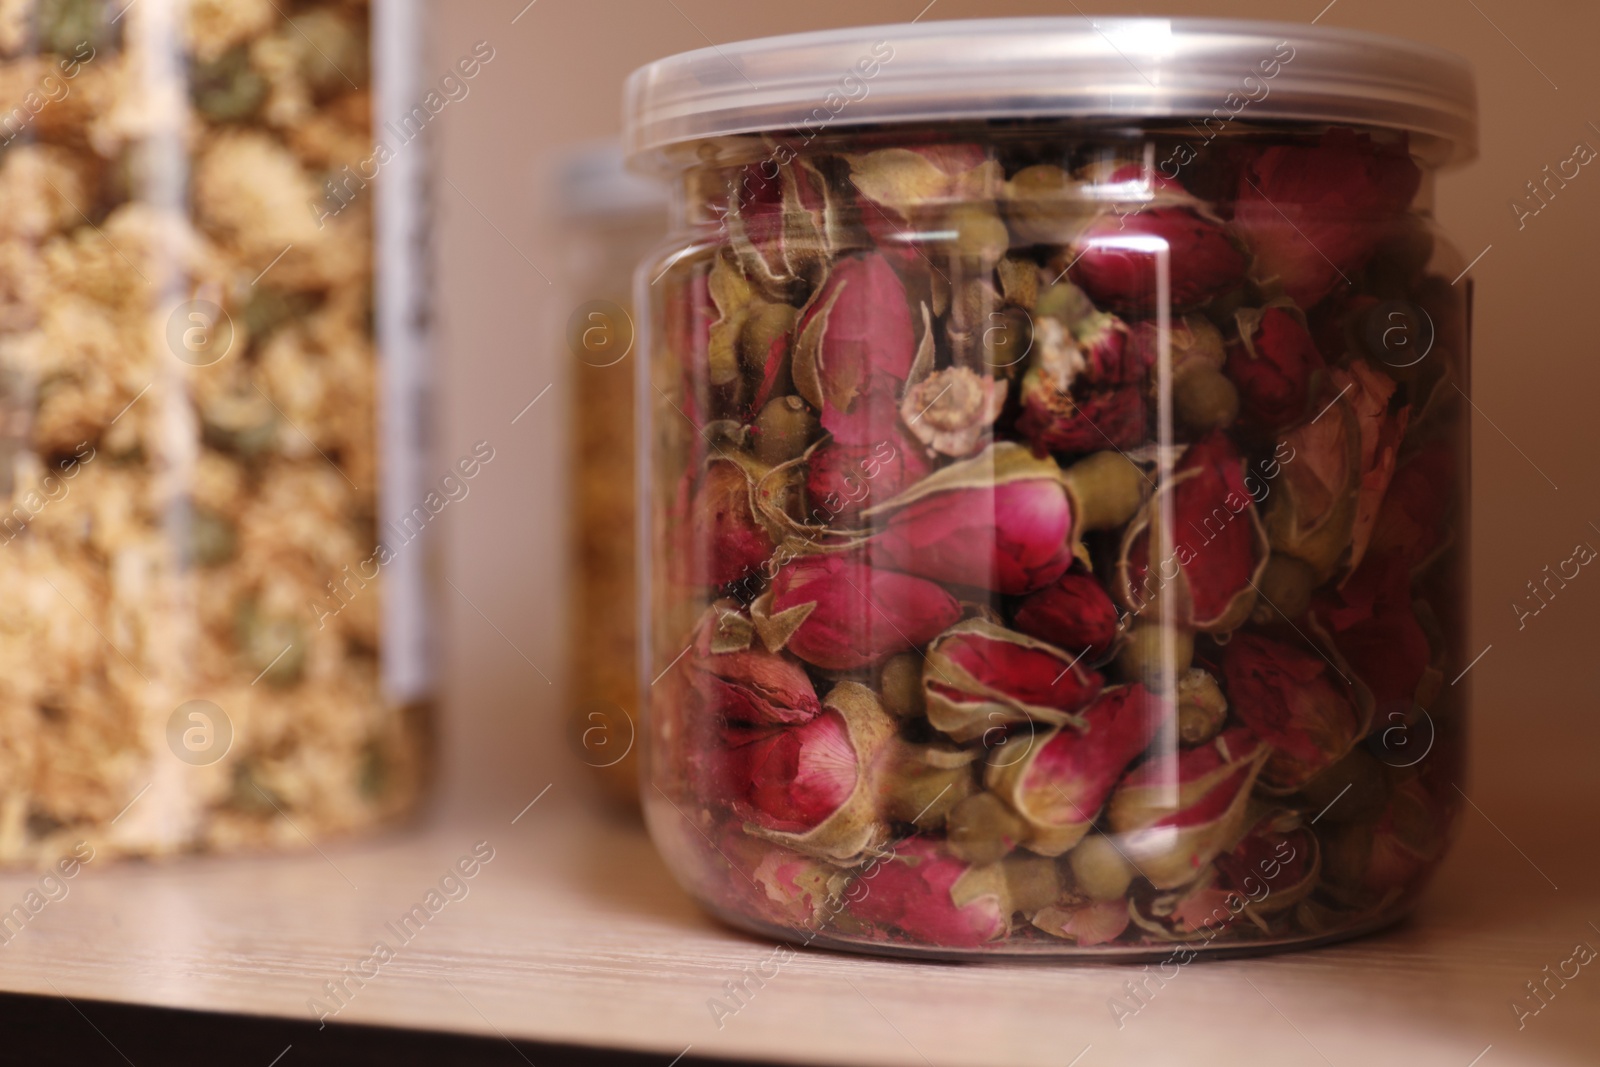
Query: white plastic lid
1024,68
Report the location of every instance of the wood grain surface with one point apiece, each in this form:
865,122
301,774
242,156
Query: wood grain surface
574,932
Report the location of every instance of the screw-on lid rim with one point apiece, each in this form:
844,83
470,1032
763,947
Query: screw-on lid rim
1082,68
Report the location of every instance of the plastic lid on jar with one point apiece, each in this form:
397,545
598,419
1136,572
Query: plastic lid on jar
1134,69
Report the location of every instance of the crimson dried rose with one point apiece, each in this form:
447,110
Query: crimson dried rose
1221,546
796,776
1271,365
813,786
842,480
1371,620
1275,864
1296,702
1369,392
1175,814
726,536
783,222
854,339
934,898
981,677
1082,394
747,684
1074,613
1117,262
1314,214
1412,520
1369,863
1001,520
1059,785
1313,508
841,614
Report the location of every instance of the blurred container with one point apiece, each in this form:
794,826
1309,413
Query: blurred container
216,625
610,218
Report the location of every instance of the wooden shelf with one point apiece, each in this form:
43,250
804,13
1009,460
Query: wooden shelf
573,932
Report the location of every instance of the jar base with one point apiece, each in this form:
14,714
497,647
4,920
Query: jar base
1061,951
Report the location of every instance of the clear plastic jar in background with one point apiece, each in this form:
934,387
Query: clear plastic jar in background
610,219
1057,496
216,625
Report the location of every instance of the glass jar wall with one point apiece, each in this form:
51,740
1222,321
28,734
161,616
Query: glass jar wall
1056,528
611,218
213,632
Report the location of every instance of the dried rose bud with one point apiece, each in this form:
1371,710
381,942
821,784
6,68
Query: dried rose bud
732,294
1313,215
1381,433
744,684
797,890
1005,343
896,185
1001,520
727,537
764,341
1369,862
1371,620
783,226
1019,281
922,783
1108,488
1272,365
1203,399
1074,403
1294,701
1356,789
841,614
928,896
1099,869
1117,267
1155,654
854,338
1065,302
1193,341
1060,783
952,410
1044,205
900,685
1413,521
978,234
982,829
981,677
842,480
1221,549
1074,613
1202,709
1032,882
1312,510
813,787
1286,586
783,430
1085,923
1177,814
1275,865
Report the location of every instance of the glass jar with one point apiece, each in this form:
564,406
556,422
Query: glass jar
214,482
1057,469
610,219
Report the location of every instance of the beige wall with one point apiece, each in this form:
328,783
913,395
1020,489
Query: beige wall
555,80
